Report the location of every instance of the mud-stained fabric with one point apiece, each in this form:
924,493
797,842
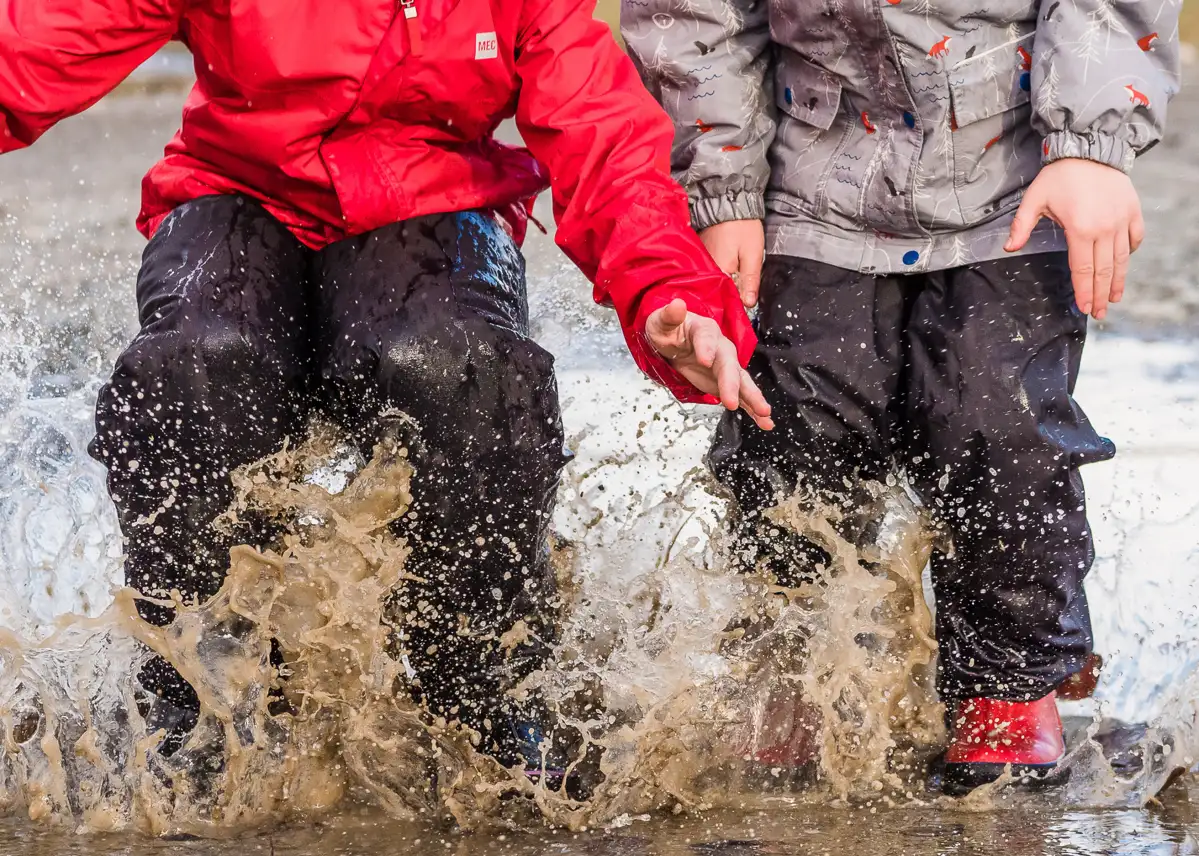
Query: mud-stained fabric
963,379
246,333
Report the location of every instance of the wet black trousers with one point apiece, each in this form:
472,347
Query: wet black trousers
962,378
245,333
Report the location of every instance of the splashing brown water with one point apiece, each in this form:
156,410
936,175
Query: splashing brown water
704,689
77,750
836,672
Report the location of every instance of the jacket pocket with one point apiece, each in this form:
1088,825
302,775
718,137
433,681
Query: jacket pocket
995,153
805,91
811,131
991,81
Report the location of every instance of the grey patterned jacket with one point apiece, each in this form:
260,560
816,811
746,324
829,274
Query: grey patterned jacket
898,135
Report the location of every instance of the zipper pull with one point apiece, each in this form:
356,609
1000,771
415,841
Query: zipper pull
413,26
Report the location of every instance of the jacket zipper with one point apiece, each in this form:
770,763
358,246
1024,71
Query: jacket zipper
412,25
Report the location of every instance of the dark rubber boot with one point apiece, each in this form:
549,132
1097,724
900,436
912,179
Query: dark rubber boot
531,738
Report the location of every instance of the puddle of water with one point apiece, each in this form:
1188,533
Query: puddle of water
1170,829
651,601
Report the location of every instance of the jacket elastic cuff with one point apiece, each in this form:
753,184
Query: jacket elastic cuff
739,205
1102,148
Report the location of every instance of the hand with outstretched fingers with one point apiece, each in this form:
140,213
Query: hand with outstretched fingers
703,355
1100,212
738,247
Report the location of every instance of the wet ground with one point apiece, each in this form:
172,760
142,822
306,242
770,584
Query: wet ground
1168,829
69,253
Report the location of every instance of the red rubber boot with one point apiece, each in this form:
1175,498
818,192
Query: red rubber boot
789,734
989,734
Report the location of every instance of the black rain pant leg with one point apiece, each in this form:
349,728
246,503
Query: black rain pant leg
830,362
430,317
244,331
994,352
215,379
965,379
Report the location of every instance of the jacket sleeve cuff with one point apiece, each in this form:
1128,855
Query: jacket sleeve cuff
1102,148
725,308
738,205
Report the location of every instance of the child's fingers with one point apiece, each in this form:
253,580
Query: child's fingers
1082,270
728,375
1123,251
664,328
674,314
754,403
1028,215
1136,231
666,322
1105,274
763,422
750,266
722,250
706,340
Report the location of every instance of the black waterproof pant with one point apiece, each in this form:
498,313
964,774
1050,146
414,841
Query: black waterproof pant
245,332
964,379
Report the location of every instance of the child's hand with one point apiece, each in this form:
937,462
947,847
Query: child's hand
1100,211
701,353
738,247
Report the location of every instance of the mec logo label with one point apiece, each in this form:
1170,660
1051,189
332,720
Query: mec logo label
486,46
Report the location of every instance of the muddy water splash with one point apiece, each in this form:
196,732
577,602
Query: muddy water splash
719,688
868,653
701,686
686,701
76,746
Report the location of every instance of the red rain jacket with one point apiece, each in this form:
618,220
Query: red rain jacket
341,116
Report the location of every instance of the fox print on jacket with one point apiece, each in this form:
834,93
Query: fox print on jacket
898,135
